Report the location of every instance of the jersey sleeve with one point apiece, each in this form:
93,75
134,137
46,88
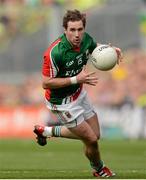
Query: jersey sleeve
50,67
92,46
90,41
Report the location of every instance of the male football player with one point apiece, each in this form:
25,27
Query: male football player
64,75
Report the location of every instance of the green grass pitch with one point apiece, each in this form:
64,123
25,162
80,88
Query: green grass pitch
64,159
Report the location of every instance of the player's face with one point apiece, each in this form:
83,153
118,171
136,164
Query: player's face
74,32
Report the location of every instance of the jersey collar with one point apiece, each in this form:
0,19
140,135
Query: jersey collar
65,42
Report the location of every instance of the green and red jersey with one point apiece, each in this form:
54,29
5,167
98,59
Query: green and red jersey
62,60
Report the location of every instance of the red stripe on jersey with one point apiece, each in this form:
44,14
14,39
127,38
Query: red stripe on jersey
77,93
48,94
48,66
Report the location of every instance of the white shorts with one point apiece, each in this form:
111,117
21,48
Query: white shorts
73,113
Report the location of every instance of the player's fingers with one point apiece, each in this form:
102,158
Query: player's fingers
91,73
92,83
120,60
119,55
118,51
90,78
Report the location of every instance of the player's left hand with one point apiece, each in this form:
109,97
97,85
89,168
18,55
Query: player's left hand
119,53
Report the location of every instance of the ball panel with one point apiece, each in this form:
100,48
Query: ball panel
104,57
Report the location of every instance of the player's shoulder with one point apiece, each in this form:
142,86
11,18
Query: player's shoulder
87,36
88,41
56,47
53,48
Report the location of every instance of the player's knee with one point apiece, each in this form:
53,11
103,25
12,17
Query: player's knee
92,141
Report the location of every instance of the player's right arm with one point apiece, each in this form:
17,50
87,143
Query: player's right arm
82,77
50,71
55,83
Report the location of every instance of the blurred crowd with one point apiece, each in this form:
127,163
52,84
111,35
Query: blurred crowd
18,16
29,92
124,84
21,16
50,2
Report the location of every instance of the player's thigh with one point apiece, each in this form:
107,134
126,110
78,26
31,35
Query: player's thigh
84,132
65,132
91,116
94,124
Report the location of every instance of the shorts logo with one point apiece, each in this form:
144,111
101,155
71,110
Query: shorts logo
68,115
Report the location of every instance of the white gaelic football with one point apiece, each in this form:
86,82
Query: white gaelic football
104,57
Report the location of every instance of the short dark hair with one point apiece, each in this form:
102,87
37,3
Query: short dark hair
74,15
